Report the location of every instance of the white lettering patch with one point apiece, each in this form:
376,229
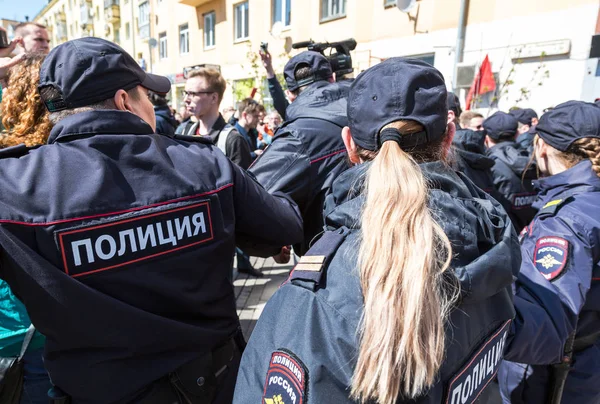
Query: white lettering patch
95,248
286,380
470,381
550,256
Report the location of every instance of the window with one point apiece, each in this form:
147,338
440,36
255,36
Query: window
282,11
127,31
209,29
331,9
184,39
427,58
144,20
144,14
241,20
117,35
162,45
389,3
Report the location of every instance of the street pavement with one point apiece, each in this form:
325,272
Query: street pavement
252,293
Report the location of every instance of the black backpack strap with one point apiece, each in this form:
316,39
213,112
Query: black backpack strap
310,270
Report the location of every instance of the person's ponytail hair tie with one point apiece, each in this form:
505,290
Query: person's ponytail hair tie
404,141
403,259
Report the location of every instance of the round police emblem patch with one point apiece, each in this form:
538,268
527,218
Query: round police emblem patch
286,380
550,256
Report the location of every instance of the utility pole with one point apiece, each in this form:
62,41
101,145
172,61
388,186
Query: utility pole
460,39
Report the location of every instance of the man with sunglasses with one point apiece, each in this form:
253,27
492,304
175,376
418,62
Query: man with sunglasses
203,94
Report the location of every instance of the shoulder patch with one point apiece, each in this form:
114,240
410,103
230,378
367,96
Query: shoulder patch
480,369
286,379
553,203
311,265
550,256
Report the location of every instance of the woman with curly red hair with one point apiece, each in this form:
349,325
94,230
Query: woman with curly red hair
25,119
24,116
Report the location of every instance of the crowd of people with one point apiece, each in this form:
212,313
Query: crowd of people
445,256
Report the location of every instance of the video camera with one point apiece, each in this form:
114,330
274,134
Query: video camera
340,60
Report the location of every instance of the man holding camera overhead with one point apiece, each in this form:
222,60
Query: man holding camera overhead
307,153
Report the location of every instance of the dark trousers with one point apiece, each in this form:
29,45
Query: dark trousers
243,260
169,391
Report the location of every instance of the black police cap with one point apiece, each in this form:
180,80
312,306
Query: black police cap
568,122
501,126
393,90
90,70
318,64
524,115
454,104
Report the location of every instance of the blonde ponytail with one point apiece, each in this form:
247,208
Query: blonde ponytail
403,256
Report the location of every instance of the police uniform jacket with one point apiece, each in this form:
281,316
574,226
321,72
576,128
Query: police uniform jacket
558,291
305,343
307,153
525,140
509,165
470,159
165,121
120,241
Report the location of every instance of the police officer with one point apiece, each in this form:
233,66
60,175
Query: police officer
395,303
307,153
513,170
558,289
527,119
119,242
471,160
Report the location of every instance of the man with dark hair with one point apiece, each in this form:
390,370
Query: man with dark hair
249,115
119,241
35,37
527,119
307,153
203,93
165,121
454,108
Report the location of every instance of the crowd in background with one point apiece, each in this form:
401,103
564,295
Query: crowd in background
500,154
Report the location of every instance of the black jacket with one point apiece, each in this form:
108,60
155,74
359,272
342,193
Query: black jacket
236,147
119,242
470,159
280,103
310,324
510,164
165,121
307,153
525,140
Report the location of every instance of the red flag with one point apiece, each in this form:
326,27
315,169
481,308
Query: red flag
484,82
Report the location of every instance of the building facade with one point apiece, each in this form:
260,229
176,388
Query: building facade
539,49
9,26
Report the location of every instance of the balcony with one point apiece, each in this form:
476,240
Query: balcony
112,11
194,3
144,31
60,16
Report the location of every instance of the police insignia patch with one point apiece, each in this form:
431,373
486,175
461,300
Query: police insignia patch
286,379
550,256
